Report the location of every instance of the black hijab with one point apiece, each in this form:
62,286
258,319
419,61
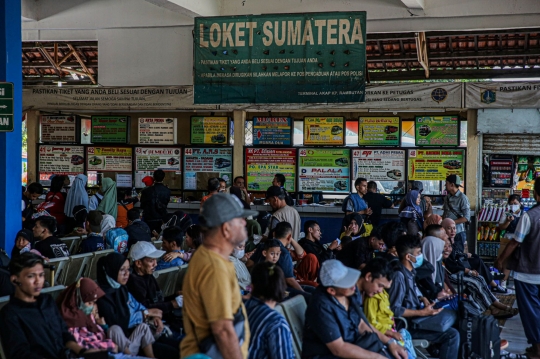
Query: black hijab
114,305
359,220
28,235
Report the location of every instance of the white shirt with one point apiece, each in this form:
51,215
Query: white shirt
523,228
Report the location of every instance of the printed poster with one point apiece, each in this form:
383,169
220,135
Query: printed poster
324,131
379,131
203,163
157,131
263,163
324,170
60,160
58,129
110,129
435,165
209,130
154,158
437,131
272,131
109,159
379,165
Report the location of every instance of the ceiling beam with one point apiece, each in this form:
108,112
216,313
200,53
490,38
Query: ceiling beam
189,7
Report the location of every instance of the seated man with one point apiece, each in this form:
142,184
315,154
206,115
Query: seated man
357,253
46,244
30,324
312,242
137,230
173,239
94,240
335,323
406,300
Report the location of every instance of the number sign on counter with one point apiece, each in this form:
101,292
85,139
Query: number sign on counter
153,158
157,131
379,165
263,163
209,130
109,159
435,165
272,131
58,129
437,131
60,160
110,129
203,163
324,169
324,131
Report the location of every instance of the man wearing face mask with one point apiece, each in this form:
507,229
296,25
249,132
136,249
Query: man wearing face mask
407,301
239,259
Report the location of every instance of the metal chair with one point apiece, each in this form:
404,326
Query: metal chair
417,343
295,313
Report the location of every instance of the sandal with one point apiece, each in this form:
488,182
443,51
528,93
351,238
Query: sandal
502,314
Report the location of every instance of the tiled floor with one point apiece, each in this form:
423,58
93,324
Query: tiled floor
513,332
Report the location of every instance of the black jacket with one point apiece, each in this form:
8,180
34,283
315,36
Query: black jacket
154,201
317,249
356,253
146,290
138,231
6,286
376,202
33,330
424,281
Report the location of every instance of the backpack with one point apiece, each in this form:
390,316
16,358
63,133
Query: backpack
117,239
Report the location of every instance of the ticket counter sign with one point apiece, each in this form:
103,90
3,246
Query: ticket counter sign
379,131
110,129
60,160
275,131
263,163
209,130
109,159
203,163
58,129
157,131
324,169
436,131
154,158
379,165
324,131
435,165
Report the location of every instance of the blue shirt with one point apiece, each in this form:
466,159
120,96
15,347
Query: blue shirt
270,333
284,262
93,243
327,320
135,312
177,262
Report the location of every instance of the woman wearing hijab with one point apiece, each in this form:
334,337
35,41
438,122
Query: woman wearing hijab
77,196
118,307
353,226
24,242
108,204
432,219
107,224
412,215
430,275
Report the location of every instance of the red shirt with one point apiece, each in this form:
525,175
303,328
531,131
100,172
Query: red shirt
57,209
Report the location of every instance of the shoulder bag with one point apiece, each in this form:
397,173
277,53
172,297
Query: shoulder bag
458,216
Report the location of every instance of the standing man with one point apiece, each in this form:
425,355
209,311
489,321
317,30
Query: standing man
526,266
457,207
282,212
355,201
212,301
376,202
279,181
154,201
33,191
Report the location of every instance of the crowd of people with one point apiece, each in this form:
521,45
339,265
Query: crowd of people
359,289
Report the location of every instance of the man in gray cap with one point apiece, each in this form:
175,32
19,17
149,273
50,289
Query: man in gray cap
335,322
212,302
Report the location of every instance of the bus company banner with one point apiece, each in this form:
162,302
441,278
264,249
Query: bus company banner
263,163
280,58
272,131
324,131
323,169
435,164
382,131
502,95
436,131
200,164
153,158
209,130
379,165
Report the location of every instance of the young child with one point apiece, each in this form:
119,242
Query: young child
272,251
173,238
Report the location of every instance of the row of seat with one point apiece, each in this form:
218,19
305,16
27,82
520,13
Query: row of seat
73,243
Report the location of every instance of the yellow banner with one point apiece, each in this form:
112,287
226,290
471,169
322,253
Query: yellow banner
209,130
324,131
435,165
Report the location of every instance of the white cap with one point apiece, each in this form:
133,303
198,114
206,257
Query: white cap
143,249
334,274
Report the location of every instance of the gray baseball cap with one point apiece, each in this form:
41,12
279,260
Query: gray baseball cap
221,208
334,274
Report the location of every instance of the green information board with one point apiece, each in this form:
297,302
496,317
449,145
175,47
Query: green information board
379,131
110,129
6,107
280,58
436,131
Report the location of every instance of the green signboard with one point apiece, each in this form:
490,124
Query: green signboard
110,129
379,131
6,107
280,58
436,131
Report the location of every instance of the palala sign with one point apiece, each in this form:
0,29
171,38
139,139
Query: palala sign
282,58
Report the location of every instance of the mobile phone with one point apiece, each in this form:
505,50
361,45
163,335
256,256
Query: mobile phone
338,241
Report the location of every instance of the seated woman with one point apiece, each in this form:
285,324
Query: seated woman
119,308
477,289
193,241
412,215
271,336
353,226
239,259
24,242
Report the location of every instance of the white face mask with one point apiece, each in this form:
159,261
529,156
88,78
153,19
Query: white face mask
515,207
239,253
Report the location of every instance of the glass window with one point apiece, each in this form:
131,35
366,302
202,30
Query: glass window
298,136
351,135
231,131
407,134
463,134
249,133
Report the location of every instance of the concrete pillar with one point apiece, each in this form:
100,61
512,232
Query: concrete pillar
11,142
239,118
473,183
32,126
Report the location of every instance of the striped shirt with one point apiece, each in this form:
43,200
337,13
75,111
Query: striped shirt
270,333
